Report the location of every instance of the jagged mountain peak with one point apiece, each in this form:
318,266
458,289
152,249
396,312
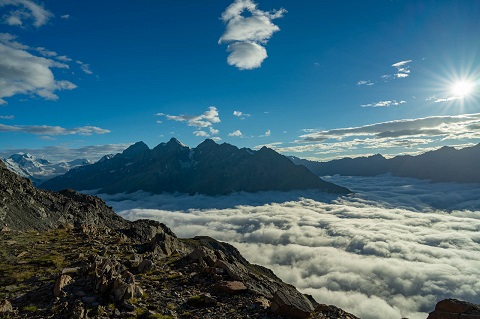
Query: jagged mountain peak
135,150
23,158
207,143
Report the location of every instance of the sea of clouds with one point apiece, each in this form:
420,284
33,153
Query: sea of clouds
391,250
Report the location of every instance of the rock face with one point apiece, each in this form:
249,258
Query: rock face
455,309
23,206
209,168
443,165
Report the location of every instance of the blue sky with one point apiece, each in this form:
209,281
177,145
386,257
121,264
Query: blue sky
314,79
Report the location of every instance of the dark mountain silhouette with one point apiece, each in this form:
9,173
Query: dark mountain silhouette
210,168
445,164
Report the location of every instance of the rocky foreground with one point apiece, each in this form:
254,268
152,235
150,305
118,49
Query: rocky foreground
68,255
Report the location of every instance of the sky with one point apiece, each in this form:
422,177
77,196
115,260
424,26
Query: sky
393,250
313,79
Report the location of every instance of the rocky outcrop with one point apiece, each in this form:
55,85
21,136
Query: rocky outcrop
23,206
455,309
210,169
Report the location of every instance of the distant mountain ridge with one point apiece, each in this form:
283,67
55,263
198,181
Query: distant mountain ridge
445,164
39,169
210,168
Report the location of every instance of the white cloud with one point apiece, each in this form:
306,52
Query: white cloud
216,138
267,134
240,115
391,251
53,130
384,103
213,131
63,58
236,133
201,134
24,73
444,99
65,16
365,82
206,119
427,126
24,10
246,55
403,70
7,117
85,67
247,35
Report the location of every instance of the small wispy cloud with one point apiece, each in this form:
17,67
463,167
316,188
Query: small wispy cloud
365,82
7,117
403,71
267,134
443,99
206,119
248,34
85,67
65,16
22,11
236,133
240,115
384,103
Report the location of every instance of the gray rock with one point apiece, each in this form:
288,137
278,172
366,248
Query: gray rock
291,303
5,306
60,283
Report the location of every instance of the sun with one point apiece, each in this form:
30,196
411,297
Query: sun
462,88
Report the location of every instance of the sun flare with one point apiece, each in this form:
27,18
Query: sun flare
462,88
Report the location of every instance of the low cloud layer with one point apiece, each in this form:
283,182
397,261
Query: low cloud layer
392,250
247,35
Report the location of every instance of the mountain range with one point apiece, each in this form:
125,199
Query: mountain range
445,164
209,168
39,169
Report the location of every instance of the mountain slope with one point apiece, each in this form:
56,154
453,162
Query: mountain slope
39,169
209,168
446,164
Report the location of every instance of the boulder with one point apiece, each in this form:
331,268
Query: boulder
61,282
328,311
231,287
455,309
291,303
5,306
